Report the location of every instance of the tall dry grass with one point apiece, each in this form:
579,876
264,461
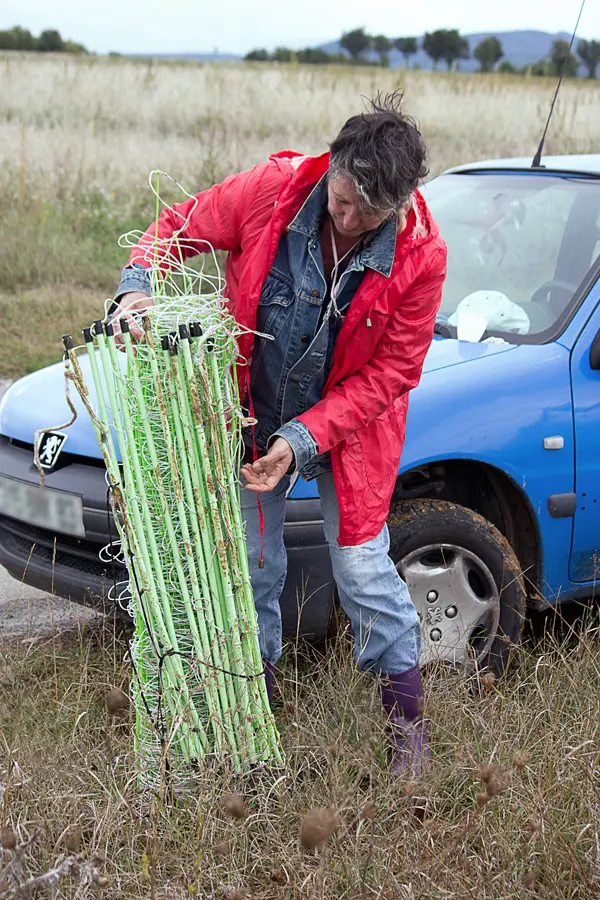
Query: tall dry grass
70,124
79,135
510,808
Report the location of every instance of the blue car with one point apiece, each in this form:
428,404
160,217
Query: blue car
496,507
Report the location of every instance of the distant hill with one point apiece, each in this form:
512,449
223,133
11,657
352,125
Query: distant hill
520,48
198,57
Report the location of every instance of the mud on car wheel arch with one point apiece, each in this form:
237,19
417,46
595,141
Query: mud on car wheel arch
441,548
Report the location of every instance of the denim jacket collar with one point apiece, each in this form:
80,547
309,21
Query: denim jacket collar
379,248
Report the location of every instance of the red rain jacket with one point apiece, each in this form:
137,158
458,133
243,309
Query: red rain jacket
379,352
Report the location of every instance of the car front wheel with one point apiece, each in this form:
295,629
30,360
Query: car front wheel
464,580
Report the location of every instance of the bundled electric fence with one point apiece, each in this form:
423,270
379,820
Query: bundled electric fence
168,419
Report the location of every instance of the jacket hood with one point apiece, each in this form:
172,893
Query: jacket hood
425,226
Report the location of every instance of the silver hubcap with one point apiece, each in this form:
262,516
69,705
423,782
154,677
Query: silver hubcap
457,600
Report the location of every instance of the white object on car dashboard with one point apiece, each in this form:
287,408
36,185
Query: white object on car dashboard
470,327
500,313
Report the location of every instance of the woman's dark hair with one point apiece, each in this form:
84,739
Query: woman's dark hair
382,151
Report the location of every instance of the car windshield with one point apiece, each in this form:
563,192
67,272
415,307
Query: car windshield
519,245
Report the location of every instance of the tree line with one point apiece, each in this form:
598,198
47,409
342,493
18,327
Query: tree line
445,45
49,41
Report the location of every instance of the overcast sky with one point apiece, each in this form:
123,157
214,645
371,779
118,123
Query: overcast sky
236,26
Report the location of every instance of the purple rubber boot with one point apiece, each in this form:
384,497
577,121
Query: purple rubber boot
402,698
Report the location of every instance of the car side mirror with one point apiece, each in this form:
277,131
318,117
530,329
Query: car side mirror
595,354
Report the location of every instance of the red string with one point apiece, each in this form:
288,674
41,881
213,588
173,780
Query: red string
261,515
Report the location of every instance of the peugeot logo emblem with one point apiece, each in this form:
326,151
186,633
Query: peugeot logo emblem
49,448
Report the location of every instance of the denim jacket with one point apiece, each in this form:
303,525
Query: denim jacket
297,327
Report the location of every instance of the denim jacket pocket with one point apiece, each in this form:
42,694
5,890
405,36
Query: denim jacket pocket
278,288
275,309
277,291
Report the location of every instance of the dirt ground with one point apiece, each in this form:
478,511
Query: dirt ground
31,613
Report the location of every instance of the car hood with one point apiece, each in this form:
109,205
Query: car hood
39,401
445,352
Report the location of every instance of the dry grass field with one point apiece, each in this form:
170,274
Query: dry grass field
511,806
78,137
510,809
71,126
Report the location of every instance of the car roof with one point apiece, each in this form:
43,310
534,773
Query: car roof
582,163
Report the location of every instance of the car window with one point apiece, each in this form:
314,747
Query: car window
518,245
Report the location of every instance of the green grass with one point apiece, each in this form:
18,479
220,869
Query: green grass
66,241
34,320
63,763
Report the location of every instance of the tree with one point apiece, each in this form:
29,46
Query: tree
589,54
507,68
260,55
457,48
282,54
407,46
318,57
7,40
24,39
433,45
74,47
382,45
488,53
50,42
355,42
446,44
542,67
562,60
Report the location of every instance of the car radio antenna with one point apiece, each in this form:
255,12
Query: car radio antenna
537,159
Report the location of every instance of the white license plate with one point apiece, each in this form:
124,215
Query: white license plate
58,512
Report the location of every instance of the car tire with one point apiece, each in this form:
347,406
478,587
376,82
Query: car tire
464,579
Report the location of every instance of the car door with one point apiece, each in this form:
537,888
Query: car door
585,386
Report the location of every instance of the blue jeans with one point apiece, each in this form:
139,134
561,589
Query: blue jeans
387,631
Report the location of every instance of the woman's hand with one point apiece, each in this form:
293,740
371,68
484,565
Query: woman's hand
134,301
266,473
